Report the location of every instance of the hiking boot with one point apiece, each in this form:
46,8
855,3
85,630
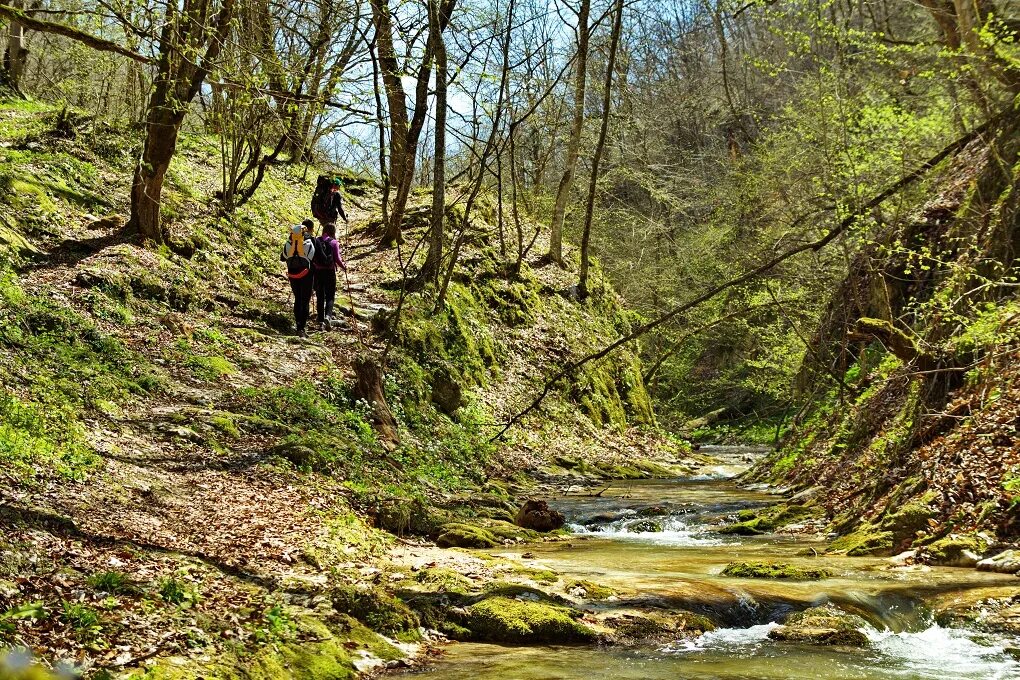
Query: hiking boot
324,326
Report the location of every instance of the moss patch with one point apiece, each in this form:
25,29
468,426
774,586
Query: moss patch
957,550
776,570
769,519
457,535
589,590
378,610
826,625
504,619
865,541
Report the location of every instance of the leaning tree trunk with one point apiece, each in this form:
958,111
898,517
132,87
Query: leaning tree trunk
607,101
368,386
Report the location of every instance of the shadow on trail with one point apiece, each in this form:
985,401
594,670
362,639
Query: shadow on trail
66,527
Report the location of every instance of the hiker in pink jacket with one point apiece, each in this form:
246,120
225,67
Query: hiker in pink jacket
324,265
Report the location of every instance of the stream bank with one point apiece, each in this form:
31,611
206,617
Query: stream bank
656,546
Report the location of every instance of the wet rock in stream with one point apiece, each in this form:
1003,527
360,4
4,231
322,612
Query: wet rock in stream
825,625
538,516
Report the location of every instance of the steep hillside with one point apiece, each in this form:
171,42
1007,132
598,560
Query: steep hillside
918,448
185,479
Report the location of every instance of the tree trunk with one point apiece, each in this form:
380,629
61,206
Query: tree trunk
555,253
430,270
369,387
396,104
162,125
16,54
180,75
607,100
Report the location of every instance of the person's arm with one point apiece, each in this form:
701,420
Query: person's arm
340,205
338,256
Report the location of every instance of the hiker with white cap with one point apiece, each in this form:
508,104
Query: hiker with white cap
298,253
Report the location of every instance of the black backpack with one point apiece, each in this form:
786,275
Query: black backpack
321,200
323,258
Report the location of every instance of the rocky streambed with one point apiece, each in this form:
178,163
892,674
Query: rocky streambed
665,579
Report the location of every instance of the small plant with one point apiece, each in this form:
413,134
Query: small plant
28,610
112,582
276,624
81,617
175,591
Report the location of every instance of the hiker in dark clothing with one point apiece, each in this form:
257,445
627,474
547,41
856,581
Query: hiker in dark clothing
327,202
325,263
298,253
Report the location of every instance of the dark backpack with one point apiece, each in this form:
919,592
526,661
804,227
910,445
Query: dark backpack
321,200
323,258
297,267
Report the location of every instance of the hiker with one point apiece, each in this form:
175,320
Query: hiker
298,253
326,261
327,203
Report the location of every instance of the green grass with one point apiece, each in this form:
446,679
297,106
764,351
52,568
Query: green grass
83,619
112,582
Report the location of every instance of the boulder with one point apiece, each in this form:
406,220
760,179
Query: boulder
644,526
519,621
299,456
1006,562
459,535
957,550
447,394
825,625
604,518
537,515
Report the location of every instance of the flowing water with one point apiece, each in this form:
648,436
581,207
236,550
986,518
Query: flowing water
679,567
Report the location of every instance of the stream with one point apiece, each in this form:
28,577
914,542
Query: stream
679,567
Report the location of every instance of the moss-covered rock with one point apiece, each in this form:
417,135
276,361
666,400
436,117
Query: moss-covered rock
458,535
377,609
867,540
504,619
774,570
766,520
403,516
648,627
317,651
826,625
441,579
644,526
588,590
956,550
908,520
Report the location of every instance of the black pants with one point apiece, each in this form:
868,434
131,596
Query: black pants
325,293
302,289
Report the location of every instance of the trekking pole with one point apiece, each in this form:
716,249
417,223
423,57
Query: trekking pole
350,291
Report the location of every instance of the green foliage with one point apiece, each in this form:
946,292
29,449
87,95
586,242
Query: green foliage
35,437
34,611
112,582
83,619
177,592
